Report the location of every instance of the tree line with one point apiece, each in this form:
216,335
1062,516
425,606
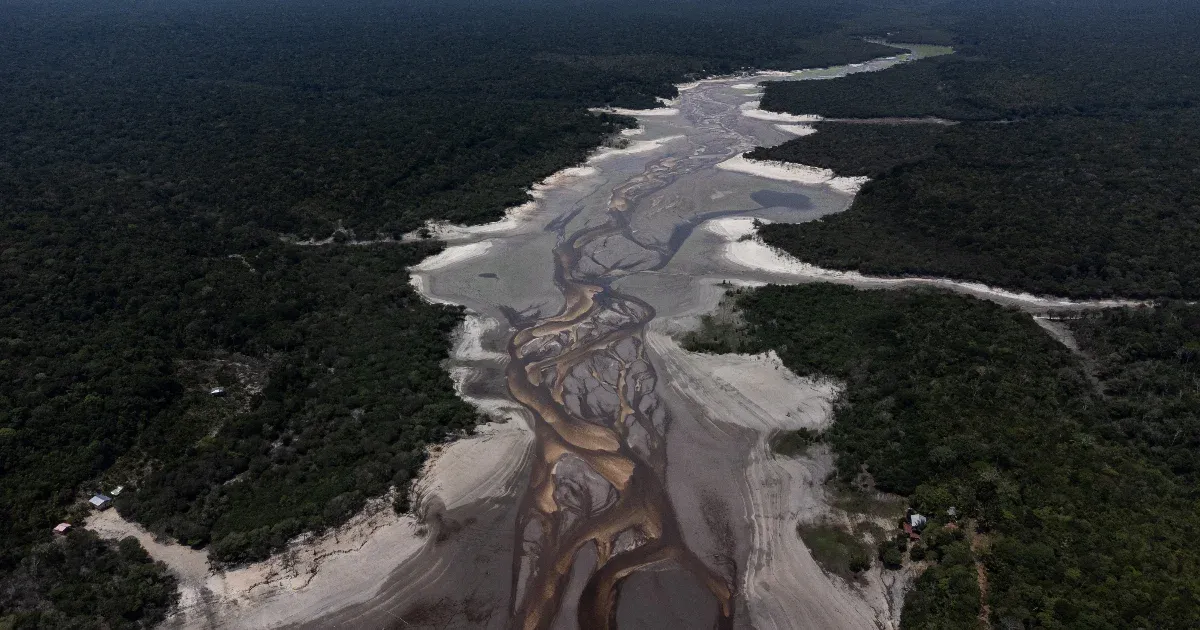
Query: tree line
1080,470
1071,170
152,162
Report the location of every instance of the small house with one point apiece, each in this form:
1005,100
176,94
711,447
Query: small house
913,524
217,391
62,528
116,492
100,502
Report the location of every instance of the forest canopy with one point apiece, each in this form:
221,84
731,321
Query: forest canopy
1072,171
1068,206
158,163
1080,470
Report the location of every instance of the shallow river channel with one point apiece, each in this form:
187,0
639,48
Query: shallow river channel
630,485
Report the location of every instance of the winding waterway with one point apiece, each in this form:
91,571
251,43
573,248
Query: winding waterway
598,507
644,494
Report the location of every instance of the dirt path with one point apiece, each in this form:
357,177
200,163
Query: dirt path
979,544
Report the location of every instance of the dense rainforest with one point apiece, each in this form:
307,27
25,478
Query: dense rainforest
159,163
1054,152
1057,205
1077,471
1072,171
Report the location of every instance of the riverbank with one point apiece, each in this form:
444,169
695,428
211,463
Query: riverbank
506,273
745,249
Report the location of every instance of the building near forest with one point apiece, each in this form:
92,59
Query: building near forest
913,524
100,502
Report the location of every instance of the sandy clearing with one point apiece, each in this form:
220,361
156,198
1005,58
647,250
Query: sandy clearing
468,339
789,172
747,251
514,217
267,593
346,565
780,577
778,399
750,110
1059,332
469,470
633,148
187,564
797,130
481,466
453,255
621,111
418,284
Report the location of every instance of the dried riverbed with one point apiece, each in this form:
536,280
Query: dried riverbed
625,481
651,499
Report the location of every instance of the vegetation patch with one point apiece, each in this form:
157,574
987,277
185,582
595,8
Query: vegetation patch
947,594
81,581
795,443
838,551
870,503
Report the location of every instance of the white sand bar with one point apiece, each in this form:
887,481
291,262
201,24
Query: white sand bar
453,255
789,172
751,110
640,146
621,111
797,130
752,253
516,217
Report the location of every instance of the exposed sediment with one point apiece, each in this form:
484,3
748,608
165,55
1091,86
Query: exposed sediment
632,484
606,510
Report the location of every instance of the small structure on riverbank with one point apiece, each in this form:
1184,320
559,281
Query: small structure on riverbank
913,524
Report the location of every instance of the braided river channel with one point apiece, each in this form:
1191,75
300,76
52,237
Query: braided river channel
625,481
